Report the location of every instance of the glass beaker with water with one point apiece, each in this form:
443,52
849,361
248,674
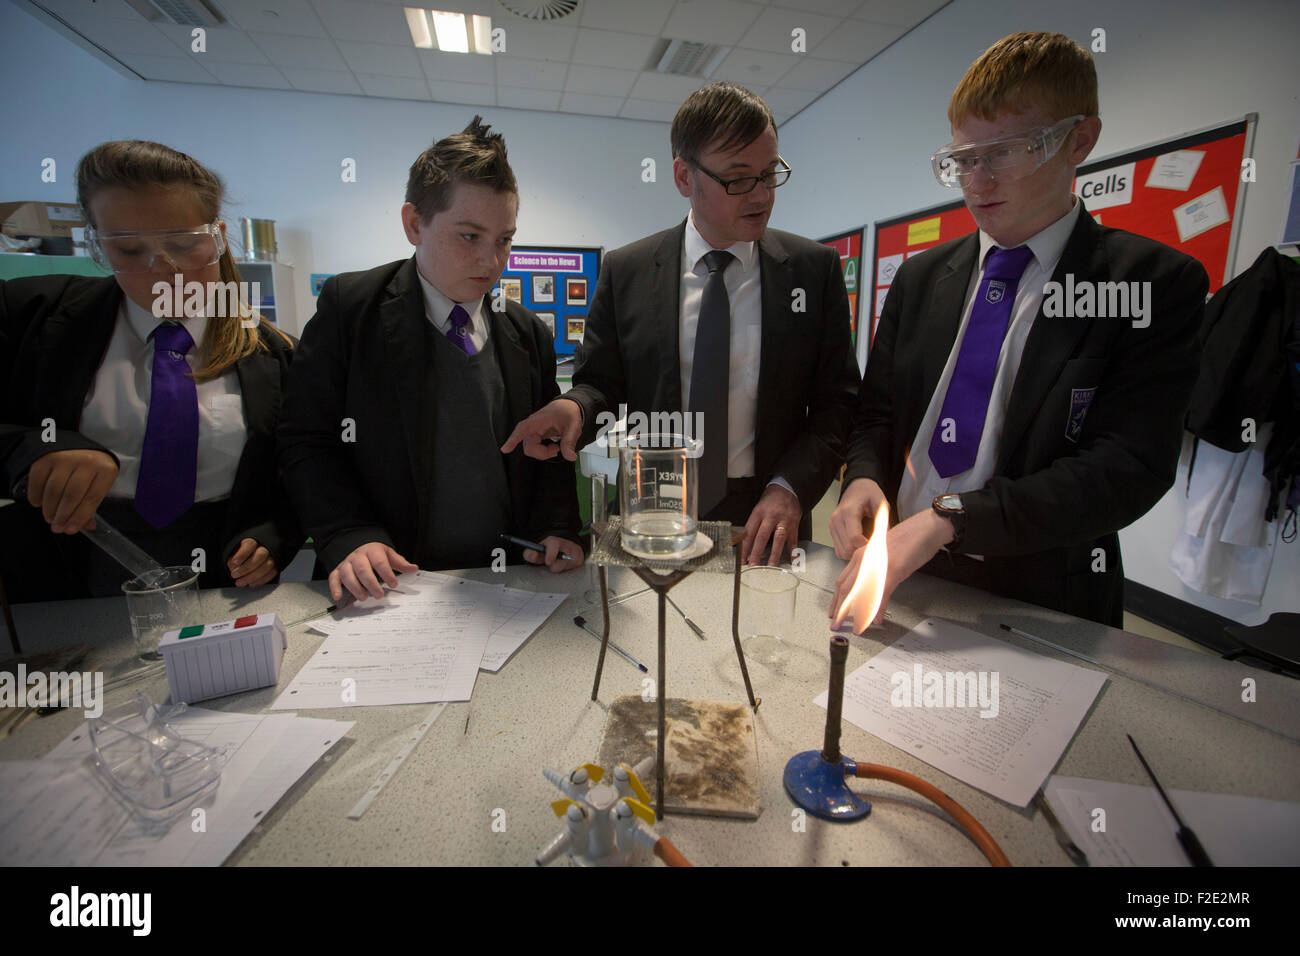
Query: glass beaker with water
658,493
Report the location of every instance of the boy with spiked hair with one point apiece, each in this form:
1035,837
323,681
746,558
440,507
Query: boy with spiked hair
413,376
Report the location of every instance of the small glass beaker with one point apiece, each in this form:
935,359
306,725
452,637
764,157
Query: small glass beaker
658,492
160,603
767,601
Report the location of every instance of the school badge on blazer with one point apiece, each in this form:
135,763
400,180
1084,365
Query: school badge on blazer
1080,399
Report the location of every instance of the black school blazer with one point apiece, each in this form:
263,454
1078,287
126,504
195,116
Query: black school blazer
54,331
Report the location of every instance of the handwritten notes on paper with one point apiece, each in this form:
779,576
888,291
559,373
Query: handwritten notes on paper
987,712
423,642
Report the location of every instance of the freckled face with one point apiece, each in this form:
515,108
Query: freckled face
1012,211
463,249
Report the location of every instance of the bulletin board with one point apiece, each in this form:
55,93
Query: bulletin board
849,246
1185,192
557,283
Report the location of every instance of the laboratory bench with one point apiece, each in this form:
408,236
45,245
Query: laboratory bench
472,791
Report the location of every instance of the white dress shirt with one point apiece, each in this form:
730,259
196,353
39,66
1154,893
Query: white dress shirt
744,290
437,309
921,483
117,406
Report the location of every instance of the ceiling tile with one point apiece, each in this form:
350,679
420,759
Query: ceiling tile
811,73
364,22
630,16
322,81
179,69
223,43
830,8
711,21
119,36
664,87
484,8
478,94
789,101
248,74
527,99
622,50
773,30
381,59
899,14
599,81
592,105
394,87
118,9
857,41
536,41
302,53
293,17
646,110
754,68
532,74
459,67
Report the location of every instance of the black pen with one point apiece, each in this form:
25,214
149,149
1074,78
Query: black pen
582,623
1191,846
531,545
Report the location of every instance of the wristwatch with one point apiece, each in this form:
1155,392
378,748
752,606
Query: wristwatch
950,507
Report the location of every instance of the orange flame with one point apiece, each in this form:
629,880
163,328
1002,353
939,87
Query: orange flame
868,589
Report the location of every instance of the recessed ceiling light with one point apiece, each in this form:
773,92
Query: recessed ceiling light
417,21
451,32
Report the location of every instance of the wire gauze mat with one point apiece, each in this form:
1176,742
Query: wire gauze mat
722,558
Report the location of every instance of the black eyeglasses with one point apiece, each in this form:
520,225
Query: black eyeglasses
745,184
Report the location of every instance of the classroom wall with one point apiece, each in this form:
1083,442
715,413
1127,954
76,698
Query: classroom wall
861,152
280,153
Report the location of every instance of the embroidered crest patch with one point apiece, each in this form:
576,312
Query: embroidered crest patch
1080,399
996,290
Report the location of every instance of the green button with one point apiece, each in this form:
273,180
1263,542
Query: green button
194,630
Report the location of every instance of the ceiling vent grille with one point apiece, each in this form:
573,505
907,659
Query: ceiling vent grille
685,58
186,13
544,10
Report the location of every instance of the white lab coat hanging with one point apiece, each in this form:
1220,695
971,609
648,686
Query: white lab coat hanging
1225,548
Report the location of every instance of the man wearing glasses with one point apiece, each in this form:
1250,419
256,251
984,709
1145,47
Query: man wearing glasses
725,319
1013,440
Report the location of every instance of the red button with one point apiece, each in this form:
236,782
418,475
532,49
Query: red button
246,621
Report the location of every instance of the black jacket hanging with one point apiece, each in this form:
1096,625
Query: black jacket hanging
1249,368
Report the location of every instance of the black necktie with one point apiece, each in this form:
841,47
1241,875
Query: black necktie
710,385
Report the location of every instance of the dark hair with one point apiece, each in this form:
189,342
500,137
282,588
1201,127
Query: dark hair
471,156
138,164
722,115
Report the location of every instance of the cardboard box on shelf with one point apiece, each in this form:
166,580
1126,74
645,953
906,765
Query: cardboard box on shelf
45,219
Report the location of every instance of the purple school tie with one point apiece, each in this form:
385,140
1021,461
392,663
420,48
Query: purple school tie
967,401
459,331
164,489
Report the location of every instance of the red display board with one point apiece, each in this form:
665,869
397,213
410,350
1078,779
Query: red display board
849,246
1184,192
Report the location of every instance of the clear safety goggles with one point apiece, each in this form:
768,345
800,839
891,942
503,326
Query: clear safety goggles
183,250
1009,159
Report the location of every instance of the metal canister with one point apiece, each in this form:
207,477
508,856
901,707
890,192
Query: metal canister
259,239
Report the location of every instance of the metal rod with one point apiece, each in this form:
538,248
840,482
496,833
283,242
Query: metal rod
835,699
604,636
735,636
663,717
